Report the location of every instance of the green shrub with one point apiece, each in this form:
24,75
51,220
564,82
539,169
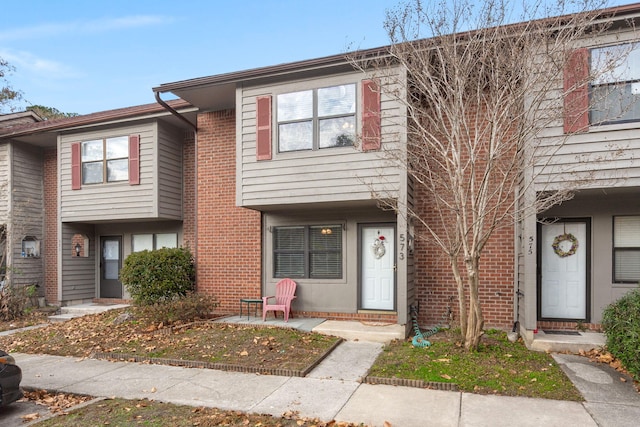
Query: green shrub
182,309
621,324
155,276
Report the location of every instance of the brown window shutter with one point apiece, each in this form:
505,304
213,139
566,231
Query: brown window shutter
576,92
134,159
371,136
263,127
76,166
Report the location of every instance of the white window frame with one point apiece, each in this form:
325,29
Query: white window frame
315,118
626,249
614,94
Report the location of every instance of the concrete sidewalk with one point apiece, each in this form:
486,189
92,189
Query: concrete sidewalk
333,391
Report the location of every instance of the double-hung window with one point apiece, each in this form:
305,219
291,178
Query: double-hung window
105,160
626,249
317,118
313,251
615,88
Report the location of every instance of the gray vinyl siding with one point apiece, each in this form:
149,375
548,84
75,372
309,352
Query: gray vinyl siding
119,201
27,211
328,175
170,172
79,272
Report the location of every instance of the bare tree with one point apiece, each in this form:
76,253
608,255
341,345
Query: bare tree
479,91
8,96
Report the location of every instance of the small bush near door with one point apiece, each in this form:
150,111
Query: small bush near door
156,276
621,324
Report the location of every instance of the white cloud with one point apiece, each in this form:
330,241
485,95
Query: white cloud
27,63
82,27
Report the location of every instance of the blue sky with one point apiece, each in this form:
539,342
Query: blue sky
86,56
82,56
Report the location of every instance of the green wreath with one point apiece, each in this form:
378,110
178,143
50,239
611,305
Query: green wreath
561,238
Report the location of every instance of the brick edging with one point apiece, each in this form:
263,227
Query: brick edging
125,357
410,383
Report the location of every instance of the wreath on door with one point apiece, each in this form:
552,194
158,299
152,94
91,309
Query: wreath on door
378,248
566,237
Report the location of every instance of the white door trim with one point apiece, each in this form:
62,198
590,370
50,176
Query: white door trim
377,266
564,281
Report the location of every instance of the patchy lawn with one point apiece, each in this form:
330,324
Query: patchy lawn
124,413
498,367
214,343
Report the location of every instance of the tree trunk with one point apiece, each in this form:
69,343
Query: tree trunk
475,322
462,301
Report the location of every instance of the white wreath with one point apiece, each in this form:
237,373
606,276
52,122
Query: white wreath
378,249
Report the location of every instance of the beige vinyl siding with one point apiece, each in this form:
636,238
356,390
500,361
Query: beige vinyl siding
27,211
79,273
118,200
335,174
602,157
606,156
4,183
170,172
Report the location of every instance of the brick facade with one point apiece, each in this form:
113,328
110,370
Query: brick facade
50,250
228,244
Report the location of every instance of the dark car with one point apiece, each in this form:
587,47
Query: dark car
10,377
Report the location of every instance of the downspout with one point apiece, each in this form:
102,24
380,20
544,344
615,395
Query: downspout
195,172
174,112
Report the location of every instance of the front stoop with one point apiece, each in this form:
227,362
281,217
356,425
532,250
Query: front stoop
79,310
362,331
560,343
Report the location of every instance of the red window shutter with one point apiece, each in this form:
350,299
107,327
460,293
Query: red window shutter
76,166
263,127
576,92
134,159
371,135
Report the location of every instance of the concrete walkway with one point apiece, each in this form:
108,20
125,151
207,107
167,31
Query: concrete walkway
332,391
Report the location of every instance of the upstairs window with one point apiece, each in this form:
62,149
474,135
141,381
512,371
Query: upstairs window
615,90
316,119
105,160
626,249
308,252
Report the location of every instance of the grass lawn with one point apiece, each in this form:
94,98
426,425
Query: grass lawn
498,367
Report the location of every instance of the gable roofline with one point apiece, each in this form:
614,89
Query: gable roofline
101,117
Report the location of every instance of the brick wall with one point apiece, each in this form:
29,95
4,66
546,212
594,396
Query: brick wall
229,238
434,282
436,288
50,250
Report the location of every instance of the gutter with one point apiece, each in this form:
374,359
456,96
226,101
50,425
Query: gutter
174,112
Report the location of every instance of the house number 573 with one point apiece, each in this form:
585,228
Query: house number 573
402,245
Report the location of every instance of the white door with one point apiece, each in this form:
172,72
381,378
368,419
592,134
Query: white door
563,280
378,260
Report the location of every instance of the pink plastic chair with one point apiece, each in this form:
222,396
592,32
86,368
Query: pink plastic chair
285,290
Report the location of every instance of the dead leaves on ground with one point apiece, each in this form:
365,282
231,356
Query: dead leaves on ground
57,403
245,345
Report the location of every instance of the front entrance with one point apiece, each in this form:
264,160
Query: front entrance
110,264
377,267
564,270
